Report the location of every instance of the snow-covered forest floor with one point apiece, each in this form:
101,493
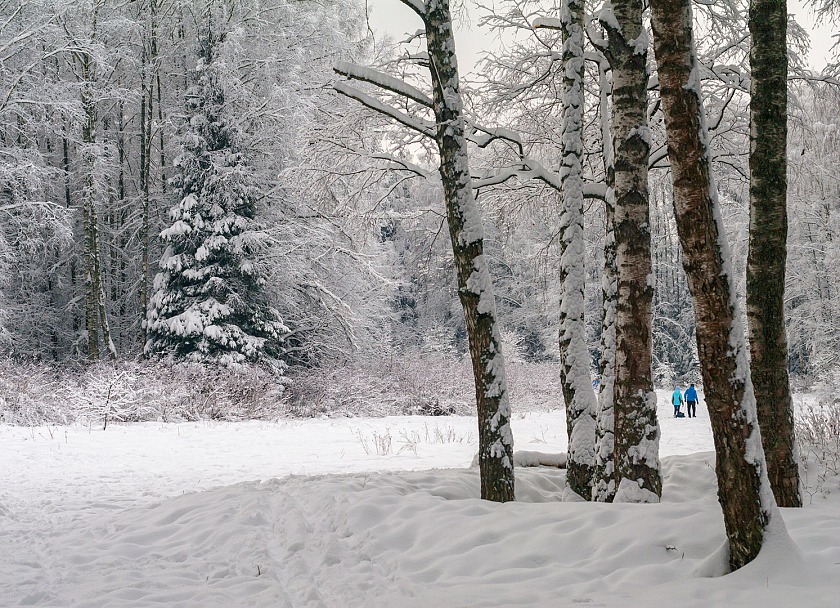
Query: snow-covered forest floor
374,512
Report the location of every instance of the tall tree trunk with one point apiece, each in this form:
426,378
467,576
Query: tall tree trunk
144,195
603,487
495,450
574,353
89,214
65,145
743,487
150,82
95,313
637,467
91,300
99,287
121,214
768,246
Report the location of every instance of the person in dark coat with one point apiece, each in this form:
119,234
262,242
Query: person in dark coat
691,401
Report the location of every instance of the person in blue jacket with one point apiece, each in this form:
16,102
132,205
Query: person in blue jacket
676,399
691,401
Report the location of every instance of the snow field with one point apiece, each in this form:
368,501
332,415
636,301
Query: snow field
175,515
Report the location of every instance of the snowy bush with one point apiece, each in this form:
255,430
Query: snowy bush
818,433
432,385
102,394
36,394
23,387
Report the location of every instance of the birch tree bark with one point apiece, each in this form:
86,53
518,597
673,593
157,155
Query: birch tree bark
743,487
475,289
96,319
149,76
603,485
637,467
767,257
576,380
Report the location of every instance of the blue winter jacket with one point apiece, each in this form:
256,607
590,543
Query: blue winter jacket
676,397
690,394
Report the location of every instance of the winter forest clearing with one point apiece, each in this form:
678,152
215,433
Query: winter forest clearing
203,514
297,312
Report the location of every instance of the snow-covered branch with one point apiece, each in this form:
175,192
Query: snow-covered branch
548,23
384,81
418,6
403,165
595,190
491,134
424,127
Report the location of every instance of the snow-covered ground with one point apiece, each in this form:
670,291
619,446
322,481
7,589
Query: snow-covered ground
372,512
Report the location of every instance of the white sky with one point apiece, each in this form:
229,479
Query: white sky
393,18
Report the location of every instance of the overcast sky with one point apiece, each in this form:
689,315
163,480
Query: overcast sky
392,17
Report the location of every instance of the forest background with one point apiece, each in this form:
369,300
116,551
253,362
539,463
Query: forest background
352,254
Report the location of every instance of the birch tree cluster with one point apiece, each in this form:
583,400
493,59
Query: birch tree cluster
707,126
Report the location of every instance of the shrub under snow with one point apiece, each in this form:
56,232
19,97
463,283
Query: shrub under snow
430,386
35,394
818,434
32,394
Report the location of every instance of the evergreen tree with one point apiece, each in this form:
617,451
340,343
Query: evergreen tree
209,303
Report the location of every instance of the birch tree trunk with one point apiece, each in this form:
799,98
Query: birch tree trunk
475,289
145,124
574,353
90,253
768,246
96,318
637,467
149,63
603,486
743,487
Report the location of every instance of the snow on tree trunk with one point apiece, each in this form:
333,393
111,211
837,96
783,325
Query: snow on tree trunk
636,427
96,318
475,289
768,246
603,486
145,141
574,353
743,487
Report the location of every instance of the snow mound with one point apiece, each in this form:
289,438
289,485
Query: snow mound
417,539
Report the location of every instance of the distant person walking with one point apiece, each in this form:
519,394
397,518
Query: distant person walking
691,401
677,400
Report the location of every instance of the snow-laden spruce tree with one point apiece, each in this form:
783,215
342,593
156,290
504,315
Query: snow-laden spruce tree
209,303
